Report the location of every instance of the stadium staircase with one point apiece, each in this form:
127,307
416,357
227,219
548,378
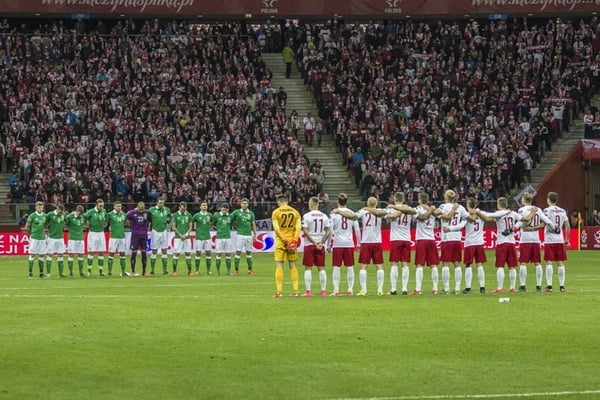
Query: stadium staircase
6,214
299,98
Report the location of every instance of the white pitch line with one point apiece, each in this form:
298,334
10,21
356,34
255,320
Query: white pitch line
478,396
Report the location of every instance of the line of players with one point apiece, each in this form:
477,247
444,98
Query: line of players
157,220
454,218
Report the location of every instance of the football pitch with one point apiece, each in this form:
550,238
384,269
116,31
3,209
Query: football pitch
226,337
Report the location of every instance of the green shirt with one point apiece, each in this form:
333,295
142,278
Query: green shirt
223,224
203,222
56,224
96,218
75,224
243,221
116,221
159,217
37,225
181,221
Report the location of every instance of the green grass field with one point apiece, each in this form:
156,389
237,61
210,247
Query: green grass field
224,337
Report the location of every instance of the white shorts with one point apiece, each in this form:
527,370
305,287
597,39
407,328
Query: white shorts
56,246
159,240
203,245
182,246
117,245
96,242
37,246
243,243
223,246
76,247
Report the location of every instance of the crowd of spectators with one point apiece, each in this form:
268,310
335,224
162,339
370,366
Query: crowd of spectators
468,105
143,109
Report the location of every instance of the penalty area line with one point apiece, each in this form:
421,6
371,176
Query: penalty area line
480,396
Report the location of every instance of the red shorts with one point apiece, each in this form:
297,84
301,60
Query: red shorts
529,253
451,252
506,254
476,253
555,252
343,255
426,253
400,251
313,256
370,252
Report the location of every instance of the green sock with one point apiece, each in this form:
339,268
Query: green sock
208,263
218,262
122,263
164,260
249,261
61,266
48,265
236,262
197,263
70,265
30,265
111,259
228,264
175,262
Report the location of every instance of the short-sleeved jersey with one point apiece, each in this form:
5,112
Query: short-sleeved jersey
424,227
203,222
400,226
474,233
288,222
223,225
558,216
243,220
459,214
116,222
341,230
181,222
505,222
96,218
316,223
75,224
56,224
139,221
532,236
159,218
37,225
371,226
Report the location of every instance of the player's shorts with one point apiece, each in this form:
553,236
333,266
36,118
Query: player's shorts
282,255
426,253
37,246
476,253
555,252
223,246
159,240
343,256
529,253
138,242
400,251
313,256
182,246
203,245
370,252
243,243
506,254
117,245
56,246
96,242
76,247
450,252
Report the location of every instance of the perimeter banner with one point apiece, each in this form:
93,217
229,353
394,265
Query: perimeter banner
293,8
17,243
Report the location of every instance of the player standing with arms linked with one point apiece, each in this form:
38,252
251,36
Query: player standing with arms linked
203,221
316,228
244,223
400,217
139,220
116,241
96,244
160,216
36,227
342,245
555,243
287,225
56,239
182,226
75,244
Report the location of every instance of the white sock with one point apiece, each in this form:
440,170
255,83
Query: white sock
362,277
561,275
445,278
394,278
335,277
468,277
522,274
500,277
350,278
434,278
380,279
405,277
481,276
512,275
538,275
457,278
323,279
308,279
419,278
549,273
